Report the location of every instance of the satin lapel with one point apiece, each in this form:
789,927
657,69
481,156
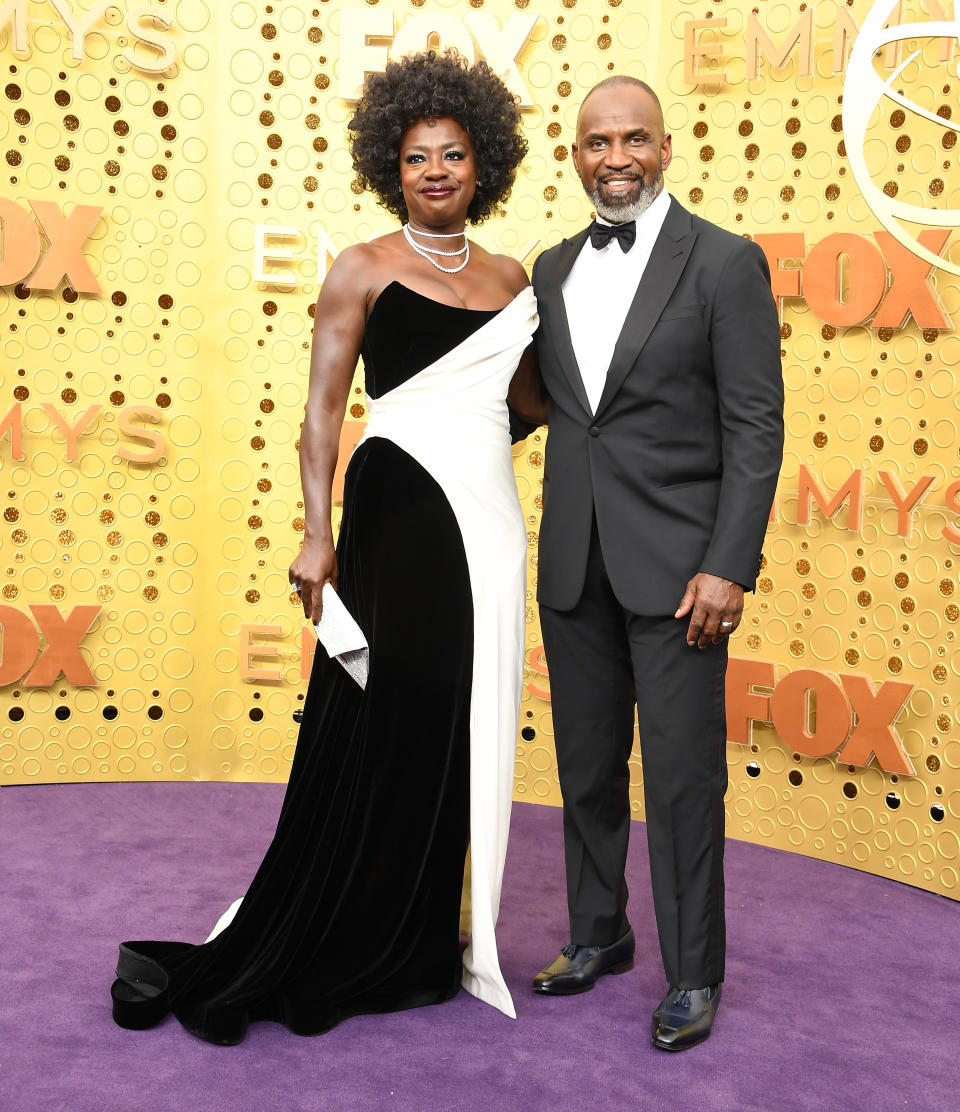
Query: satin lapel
559,326
663,270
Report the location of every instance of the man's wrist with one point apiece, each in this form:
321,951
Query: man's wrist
724,579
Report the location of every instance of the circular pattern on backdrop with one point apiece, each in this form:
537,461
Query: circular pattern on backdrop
224,362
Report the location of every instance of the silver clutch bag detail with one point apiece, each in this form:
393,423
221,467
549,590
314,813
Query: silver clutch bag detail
340,635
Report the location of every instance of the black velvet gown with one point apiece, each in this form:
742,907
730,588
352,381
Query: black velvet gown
355,907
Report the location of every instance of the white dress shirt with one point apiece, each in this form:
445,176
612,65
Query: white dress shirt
598,291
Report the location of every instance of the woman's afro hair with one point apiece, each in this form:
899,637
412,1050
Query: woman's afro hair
431,86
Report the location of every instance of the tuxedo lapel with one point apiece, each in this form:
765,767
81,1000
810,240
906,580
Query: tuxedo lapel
667,260
558,327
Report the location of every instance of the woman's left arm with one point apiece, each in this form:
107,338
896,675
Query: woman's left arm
526,396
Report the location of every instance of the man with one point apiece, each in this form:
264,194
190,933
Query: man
660,349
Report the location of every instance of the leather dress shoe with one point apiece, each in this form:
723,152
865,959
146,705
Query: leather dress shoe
577,968
685,1017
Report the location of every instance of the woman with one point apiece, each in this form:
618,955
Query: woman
355,907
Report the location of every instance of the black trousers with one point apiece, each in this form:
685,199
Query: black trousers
605,661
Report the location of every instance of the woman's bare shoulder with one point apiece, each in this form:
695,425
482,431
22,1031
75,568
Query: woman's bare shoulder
506,268
357,268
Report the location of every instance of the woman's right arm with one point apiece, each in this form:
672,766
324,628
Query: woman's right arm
338,325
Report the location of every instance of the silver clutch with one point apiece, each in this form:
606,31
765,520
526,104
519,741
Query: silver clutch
340,635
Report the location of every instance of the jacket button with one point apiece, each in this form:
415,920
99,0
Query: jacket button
594,430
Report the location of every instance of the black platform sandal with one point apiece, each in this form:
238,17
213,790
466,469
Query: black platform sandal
141,997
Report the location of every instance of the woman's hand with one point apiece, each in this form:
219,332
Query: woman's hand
315,565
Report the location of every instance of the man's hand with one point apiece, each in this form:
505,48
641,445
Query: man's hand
717,606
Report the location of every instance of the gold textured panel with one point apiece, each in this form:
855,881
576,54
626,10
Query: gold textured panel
185,172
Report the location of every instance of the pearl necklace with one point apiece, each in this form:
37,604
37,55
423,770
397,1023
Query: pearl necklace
428,252
437,235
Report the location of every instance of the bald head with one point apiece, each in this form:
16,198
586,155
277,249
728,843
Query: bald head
623,82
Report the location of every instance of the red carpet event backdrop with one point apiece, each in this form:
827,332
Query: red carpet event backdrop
175,186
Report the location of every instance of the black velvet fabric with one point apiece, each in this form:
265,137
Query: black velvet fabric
407,331
355,907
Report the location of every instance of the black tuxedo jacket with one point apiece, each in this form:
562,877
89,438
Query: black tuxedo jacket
680,461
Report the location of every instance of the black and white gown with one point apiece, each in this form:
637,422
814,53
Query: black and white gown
355,907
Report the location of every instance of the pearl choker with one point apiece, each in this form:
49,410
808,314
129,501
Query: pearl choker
428,252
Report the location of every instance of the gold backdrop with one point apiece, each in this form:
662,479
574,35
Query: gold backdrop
175,187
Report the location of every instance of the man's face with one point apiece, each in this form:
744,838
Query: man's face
621,150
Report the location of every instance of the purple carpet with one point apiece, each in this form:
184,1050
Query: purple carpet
841,993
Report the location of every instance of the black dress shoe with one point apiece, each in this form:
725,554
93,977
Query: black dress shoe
685,1017
577,968
670,995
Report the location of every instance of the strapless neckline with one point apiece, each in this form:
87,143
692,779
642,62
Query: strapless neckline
432,301
406,331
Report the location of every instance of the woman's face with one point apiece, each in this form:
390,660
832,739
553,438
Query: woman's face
438,174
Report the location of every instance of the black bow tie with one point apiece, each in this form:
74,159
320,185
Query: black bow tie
625,234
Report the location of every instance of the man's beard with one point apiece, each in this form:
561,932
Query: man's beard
622,207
